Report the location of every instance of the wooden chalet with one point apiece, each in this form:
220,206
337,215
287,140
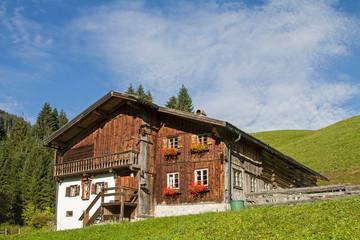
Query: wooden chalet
125,158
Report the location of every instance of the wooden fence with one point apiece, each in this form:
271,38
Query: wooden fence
300,195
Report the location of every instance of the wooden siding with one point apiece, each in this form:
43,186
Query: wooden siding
185,163
116,134
247,156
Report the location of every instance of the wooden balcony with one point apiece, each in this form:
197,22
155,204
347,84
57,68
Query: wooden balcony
127,160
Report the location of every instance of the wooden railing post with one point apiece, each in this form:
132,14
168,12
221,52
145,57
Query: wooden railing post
84,219
122,205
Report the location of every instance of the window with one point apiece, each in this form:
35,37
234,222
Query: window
173,143
173,180
69,213
96,188
238,178
202,139
201,175
72,191
253,184
267,186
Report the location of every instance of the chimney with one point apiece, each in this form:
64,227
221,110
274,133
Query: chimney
200,112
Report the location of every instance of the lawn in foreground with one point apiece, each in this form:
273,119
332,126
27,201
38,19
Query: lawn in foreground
334,219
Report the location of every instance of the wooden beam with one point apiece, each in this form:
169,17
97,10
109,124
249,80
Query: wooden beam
60,144
216,133
100,114
133,105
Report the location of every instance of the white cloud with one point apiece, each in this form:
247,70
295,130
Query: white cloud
8,104
27,36
259,68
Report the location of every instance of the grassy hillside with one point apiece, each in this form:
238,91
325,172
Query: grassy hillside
333,151
335,219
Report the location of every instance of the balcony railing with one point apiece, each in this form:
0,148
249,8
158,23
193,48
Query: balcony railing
95,164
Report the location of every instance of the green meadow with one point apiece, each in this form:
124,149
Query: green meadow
333,219
333,151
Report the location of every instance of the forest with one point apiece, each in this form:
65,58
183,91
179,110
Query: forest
27,187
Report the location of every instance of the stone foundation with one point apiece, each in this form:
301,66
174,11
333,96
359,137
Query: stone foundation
186,209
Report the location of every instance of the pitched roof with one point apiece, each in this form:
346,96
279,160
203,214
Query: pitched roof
113,100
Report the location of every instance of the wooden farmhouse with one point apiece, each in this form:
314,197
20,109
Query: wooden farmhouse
124,158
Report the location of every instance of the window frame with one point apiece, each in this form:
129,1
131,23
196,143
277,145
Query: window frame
69,213
238,178
172,182
253,184
202,139
98,187
73,192
201,171
173,142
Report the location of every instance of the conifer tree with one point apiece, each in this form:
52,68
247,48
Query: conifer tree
2,130
46,122
172,102
62,118
148,97
140,93
184,102
130,90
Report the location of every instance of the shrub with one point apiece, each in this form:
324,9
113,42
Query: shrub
41,220
37,218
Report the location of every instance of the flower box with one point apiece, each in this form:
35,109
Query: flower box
199,148
170,151
170,191
199,187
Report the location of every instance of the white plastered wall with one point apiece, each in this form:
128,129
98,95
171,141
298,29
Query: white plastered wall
76,204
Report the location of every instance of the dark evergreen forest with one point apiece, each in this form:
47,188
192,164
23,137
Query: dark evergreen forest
27,187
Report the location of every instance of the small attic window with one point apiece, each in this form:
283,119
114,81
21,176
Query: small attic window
173,142
202,139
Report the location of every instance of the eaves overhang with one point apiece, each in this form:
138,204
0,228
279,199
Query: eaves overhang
97,112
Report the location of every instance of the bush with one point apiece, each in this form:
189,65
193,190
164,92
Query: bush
41,220
36,218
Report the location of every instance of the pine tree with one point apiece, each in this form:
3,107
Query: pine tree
62,118
46,122
148,97
130,90
184,102
2,130
140,93
172,102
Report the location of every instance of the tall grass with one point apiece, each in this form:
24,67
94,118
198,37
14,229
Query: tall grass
335,219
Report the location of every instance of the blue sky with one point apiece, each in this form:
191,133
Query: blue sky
261,65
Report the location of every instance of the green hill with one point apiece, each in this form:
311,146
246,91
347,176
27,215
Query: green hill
333,151
334,219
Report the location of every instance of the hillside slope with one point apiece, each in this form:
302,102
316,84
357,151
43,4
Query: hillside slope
333,151
334,219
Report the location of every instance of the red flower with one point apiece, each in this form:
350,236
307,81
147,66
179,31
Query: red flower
196,188
171,190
